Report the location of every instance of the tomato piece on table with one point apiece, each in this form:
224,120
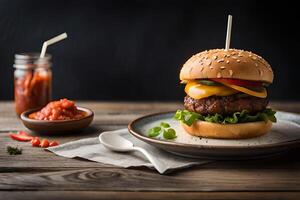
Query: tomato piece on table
239,82
36,142
21,138
23,133
44,143
53,143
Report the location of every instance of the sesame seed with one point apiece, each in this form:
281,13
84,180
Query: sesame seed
201,69
215,57
227,61
190,70
211,67
238,61
221,60
256,64
230,72
209,63
260,72
240,55
219,75
222,67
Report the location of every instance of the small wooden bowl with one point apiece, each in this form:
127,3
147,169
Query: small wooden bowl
57,126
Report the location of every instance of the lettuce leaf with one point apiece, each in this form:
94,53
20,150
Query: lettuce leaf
244,116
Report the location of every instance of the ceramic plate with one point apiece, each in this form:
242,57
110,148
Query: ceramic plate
284,135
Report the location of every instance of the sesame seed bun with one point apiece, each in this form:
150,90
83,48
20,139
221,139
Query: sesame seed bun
232,63
228,131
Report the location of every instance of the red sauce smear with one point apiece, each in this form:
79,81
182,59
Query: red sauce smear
63,109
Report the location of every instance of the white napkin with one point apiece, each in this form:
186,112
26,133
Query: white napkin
92,149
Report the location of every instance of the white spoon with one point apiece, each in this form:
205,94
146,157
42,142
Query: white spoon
117,143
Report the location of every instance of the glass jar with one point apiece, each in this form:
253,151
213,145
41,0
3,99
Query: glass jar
32,81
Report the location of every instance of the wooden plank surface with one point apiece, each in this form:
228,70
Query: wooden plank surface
36,172
119,195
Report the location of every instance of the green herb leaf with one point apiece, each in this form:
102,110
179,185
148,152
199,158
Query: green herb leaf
187,117
13,150
169,134
164,124
208,82
164,129
154,132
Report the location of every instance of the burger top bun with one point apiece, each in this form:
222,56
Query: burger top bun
232,63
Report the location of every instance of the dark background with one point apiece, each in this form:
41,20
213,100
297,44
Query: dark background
133,50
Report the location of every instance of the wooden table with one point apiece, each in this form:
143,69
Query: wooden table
37,174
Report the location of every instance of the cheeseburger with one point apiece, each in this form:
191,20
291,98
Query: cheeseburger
226,95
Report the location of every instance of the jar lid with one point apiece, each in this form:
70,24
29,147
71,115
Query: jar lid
30,60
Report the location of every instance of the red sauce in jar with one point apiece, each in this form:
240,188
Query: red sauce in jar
63,109
32,90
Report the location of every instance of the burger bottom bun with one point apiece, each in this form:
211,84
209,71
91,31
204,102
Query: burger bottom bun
228,131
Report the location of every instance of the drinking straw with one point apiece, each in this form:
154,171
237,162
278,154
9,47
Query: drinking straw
52,41
228,35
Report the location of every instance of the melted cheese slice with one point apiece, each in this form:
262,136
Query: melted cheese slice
260,94
199,91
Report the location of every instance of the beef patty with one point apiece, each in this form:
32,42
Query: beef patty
225,105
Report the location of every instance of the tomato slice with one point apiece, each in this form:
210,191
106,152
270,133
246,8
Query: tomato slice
239,82
22,138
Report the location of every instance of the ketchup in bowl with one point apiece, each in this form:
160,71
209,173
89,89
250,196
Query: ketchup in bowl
63,109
